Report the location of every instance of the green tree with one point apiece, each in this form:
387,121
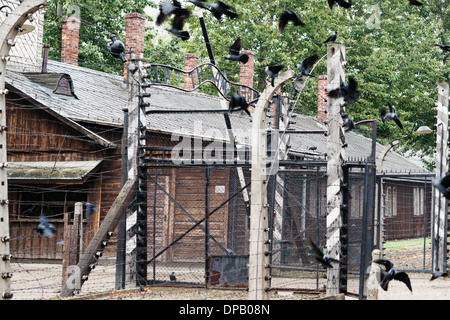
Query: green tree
389,49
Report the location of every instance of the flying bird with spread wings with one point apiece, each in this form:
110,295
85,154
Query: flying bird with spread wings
289,16
392,274
235,52
321,257
391,115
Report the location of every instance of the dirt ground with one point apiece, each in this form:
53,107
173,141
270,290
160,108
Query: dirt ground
43,281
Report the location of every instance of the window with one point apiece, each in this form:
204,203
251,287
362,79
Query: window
390,201
30,204
419,201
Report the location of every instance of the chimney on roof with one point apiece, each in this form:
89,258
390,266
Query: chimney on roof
190,62
70,40
322,100
45,58
246,75
135,38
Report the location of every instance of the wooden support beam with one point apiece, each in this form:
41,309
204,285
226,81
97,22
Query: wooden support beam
126,195
71,240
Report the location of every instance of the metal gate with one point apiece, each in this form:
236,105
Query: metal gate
198,224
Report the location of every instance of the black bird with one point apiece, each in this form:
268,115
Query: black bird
443,185
177,26
200,3
391,115
437,274
312,148
322,258
444,47
45,228
116,48
415,3
90,208
221,8
332,37
306,65
341,3
348,122
289,16
392,273
235,54
166,9
272,72
238,103
172,276
347,90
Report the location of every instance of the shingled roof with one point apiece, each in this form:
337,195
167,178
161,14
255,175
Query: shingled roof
101,98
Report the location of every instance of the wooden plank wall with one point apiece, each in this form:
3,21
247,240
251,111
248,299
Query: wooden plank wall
34,135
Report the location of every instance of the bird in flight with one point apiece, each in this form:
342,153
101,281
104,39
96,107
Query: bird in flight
347,90
166,9
234,53
437,274
322,258
341,3
392,274
443,185
177,27
116,48
415,3
444,47
221,8
45,228
391,115
289,16
306,65
332,37
200,3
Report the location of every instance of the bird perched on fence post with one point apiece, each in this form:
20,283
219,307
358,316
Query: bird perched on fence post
272,72
332,37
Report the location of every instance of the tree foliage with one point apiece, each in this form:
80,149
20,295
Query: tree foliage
389,49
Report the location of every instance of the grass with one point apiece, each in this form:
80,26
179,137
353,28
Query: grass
415,243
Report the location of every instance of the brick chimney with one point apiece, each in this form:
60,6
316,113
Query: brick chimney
190,62
135,38
69,40
322,100
246,75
